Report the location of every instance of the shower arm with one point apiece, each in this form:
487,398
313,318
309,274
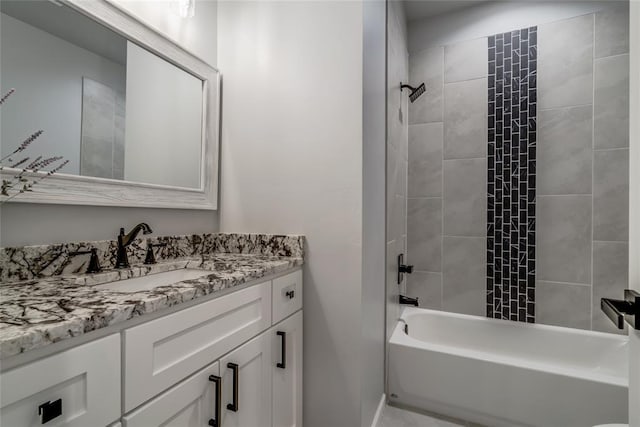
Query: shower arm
406,86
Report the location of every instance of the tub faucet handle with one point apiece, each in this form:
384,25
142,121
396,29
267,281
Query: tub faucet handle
620,311
403,268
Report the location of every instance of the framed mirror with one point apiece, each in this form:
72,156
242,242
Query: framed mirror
135,116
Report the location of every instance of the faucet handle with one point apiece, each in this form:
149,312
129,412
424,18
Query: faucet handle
402,268
94,261
406,268
150,258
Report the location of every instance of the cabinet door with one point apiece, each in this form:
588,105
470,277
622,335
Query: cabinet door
78,387
286,338
191,403
246,382
164,351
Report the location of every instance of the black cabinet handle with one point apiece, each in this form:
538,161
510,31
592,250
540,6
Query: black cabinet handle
290,294
218,404
50,410
283,354
234,406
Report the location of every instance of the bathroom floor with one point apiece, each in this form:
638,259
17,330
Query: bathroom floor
397,417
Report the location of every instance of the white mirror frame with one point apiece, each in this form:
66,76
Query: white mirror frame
69,189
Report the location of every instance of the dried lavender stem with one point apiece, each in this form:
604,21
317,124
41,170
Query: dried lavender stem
24,144
7,95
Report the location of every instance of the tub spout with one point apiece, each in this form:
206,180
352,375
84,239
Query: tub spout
405,300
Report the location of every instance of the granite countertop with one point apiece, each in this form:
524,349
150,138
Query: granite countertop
38,312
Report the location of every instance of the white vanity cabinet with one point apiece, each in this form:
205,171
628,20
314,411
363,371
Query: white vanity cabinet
287,295
246,384
260,386
164,351
232,361
286,368
78,387
192,403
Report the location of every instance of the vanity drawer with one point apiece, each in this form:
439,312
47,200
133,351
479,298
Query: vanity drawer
189,403
80,385
160,353
287,295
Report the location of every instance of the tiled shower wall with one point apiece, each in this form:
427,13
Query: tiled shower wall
582,172
447,188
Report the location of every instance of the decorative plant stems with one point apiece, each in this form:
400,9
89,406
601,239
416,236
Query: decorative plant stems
29,175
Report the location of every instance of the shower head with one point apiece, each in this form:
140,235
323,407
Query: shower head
415,91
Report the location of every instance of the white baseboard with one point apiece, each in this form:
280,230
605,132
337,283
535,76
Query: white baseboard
376,417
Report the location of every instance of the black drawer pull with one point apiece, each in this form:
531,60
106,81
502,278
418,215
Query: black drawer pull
234,406
50,410
283,354
218,404
290,294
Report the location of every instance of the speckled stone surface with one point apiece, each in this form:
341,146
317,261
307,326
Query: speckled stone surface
50,308
32,262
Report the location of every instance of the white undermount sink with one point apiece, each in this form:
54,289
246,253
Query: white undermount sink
145,283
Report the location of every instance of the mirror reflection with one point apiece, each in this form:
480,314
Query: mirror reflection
110,107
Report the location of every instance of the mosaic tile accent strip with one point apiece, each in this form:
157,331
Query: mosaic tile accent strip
511,199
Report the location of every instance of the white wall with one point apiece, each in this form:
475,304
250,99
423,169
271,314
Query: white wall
292,162
374,199
47,73
23,224
197,34
163,138
492,18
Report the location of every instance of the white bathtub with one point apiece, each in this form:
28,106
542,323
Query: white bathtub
502,373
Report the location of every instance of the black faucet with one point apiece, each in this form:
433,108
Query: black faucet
124,240
405,300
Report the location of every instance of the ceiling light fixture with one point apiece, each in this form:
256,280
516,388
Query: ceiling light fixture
185,8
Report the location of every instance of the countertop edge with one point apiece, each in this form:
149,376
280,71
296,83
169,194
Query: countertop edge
35,338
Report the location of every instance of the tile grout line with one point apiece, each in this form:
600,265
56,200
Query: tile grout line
442,110
565,283
425,123
598,58
611,149
593,161
567,195
567,107
465,80
451,236
463,158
